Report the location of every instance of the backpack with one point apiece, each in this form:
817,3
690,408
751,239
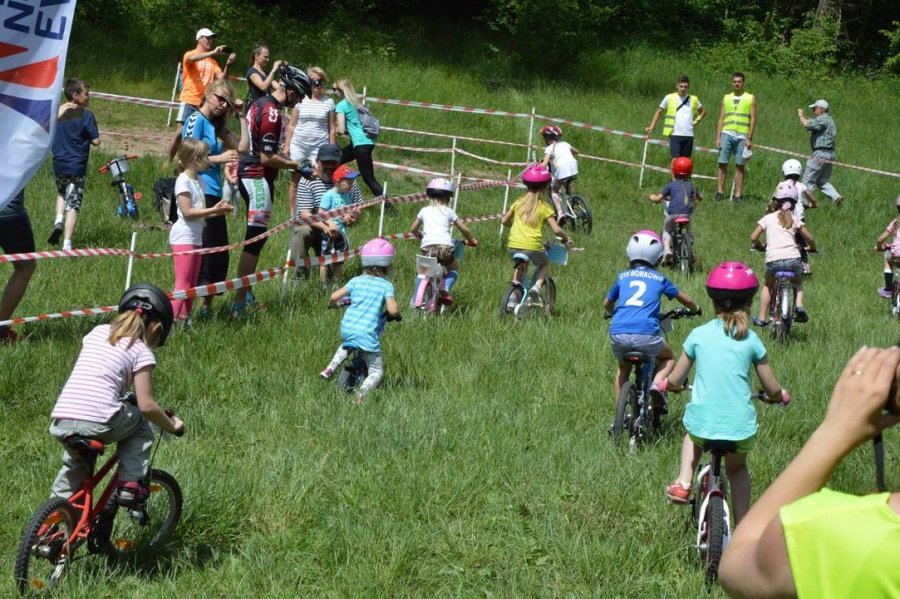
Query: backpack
370,125
164,190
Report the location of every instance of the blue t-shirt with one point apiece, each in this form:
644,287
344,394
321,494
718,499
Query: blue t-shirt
638,293
680,195
331,199
353,125
72,144
199,127
359,327
721,406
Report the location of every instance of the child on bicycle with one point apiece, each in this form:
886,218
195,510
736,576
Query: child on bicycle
559,157
437,221
526,218
782,251
336,240
113,357
634,302
721,406
678,197
891,254
369,295
792,169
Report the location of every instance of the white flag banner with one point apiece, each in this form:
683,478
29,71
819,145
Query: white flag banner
34,38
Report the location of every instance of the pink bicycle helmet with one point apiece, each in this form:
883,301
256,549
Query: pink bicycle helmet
439,187
786,191
377,252
732,283
536,176
645,246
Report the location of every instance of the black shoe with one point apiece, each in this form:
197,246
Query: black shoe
719,196
738,199
55,234
658,401
800,315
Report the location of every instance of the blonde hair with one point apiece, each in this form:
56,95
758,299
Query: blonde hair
785,219
736,321
319,73
192,151
381,272
440,201
528,210
346,87
131,325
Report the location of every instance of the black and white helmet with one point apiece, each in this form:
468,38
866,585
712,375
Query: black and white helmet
295,79
152,302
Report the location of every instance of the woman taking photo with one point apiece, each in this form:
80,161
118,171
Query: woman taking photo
348,123
258,83
312,125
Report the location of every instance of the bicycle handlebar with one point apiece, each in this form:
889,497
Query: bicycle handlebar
106,166
675,314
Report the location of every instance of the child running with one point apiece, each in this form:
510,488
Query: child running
792,169
336,241
634,302
369,295
679,196
526,218
113,357
187,232
559,157
782,251
721,406
437,221
891,254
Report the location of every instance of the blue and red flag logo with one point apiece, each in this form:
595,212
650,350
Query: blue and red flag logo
38,75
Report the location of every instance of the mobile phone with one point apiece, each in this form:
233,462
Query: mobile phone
227,50
73,114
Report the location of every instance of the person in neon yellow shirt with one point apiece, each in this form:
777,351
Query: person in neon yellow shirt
802,540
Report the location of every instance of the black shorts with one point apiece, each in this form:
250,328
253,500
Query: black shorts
16,235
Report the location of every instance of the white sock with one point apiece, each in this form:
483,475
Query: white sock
67,244
59,219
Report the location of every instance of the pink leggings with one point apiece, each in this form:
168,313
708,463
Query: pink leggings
187,268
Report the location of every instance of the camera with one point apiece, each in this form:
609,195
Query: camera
227,50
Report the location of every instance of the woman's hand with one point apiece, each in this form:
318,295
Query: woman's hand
277,65
228,156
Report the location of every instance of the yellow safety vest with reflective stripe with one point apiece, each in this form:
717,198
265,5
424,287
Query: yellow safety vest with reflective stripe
737,117
673,102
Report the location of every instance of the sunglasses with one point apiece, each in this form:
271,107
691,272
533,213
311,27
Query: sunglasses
318,82
222,99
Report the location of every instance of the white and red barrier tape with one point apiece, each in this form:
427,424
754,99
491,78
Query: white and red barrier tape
448,136
491,160
423,150
449,107
133,100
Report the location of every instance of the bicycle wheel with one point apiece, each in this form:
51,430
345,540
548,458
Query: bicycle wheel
717,528
44,551
511,298
548,295
701,481
627,410
583,218
351,375
686,256
428,298
137,535
786,312
895,300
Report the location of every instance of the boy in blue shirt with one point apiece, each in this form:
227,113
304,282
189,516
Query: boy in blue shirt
679,196
336,241
634,301
76,132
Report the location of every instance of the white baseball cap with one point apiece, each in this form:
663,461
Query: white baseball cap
204,33
819,104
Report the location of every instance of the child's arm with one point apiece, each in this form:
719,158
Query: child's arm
687,301
191,213
608,305
416,225
338,295
656,198
466,233
574,151
813,202
390,303
808,237
507,219
675,380
143,388
768,381
879,244
754,237
557,230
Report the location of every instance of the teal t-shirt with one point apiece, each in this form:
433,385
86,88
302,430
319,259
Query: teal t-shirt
332,199
721,406
354,127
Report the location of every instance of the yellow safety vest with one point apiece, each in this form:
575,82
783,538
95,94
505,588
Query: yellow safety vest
673,101
737,118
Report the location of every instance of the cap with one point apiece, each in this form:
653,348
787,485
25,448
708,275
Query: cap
344,172
204,33
819,104
329,153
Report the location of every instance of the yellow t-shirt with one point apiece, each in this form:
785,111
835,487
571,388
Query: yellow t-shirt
195,76
523,236
842,545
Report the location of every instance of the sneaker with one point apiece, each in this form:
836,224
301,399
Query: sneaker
204,313
658,399
445,298
237,310
678,493
758,321
800,314
806,269
885,292
132,494
327,373
738,199
534,296
668,258
7,335
839,200
55,234
719,196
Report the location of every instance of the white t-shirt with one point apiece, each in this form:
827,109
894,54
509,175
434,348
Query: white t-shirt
437,223
562,160
184,231
780,242
684,116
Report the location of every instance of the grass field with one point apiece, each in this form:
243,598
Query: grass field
482,466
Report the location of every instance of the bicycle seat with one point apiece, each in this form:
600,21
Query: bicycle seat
87,447
682,220
785,274
636,357
720,447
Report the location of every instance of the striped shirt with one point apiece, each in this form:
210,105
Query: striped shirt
361,324
312,123
102,374
310,192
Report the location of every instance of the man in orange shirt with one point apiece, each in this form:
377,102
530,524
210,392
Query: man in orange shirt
198,69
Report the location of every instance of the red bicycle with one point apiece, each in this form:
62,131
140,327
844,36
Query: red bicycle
130,533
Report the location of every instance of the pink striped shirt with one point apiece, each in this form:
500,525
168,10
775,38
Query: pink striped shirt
102,374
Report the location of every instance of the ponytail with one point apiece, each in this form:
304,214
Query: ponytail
785,219
132,325
735,319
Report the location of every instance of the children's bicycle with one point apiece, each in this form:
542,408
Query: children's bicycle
683,245
428,297
125,192
576,213
356,369
637,419
894,261
516,300
107,525
710,513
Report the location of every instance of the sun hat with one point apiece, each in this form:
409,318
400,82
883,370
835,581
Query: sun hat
329,153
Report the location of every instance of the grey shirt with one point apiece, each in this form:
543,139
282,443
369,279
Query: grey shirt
822,132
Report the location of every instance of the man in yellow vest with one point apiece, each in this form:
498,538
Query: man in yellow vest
683,111
734,135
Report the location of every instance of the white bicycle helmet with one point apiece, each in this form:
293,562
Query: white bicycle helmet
645,246
791,167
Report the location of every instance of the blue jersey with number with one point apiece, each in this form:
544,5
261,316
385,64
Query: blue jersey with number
638,293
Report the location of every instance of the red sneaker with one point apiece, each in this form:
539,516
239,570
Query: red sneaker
678,494
445,298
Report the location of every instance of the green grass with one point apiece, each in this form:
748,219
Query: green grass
482,466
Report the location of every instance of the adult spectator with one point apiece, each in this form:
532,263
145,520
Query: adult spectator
258,168
348,123
822,133
801,539
734,134
683,111
16,237
311,125
258,83
308,199
198,69
210,124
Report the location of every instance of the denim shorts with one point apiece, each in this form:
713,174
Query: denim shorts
731,146
793,265
626,342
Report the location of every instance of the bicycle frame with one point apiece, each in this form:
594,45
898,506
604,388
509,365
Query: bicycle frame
784,296
715,487
83,502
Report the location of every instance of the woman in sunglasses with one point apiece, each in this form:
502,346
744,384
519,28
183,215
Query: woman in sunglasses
258,83
312,125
